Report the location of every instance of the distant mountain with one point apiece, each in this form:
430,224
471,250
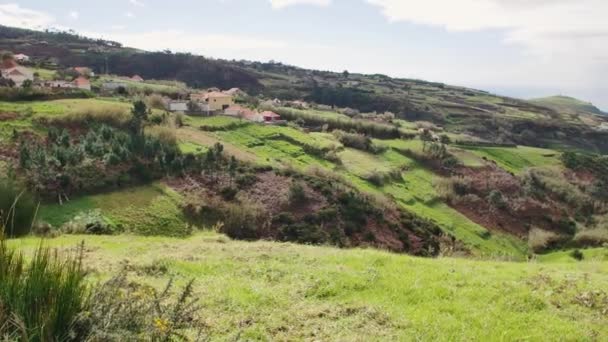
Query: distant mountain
569,105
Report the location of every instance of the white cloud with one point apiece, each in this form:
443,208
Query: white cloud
279,4
129,14
14,15
544,27
137,3
180,41
74,15
564,42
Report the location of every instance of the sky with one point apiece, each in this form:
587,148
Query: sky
521,48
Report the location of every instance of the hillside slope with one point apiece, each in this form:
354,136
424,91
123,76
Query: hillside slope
568,105
491,117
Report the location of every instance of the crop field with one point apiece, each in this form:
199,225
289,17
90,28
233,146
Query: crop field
518,159
415,192
261,291
148,85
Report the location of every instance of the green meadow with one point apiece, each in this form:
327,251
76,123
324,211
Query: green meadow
260,291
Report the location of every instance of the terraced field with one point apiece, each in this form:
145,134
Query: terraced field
285,146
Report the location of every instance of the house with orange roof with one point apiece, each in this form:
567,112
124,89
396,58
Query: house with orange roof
270,117
82,82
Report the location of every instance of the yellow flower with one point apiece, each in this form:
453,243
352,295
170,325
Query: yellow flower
161,324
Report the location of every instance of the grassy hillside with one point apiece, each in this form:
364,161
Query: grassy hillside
568,105
272,291
460,110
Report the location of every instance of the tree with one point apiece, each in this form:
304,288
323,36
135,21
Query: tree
445,139
232,166
426,137
345,74
139,115
6,82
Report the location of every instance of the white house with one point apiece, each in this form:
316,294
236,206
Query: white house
21,57
59,84
18,74
177,106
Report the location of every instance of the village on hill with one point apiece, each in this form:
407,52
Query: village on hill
17,73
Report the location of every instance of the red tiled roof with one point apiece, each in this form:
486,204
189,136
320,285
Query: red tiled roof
81,81
270,114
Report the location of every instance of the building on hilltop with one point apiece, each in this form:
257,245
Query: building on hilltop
216,101
22,58
82,82
17,74
270,117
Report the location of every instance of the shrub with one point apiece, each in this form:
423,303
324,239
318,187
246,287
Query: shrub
577,254
228,193
165,135
540,240
180,119
497,200
40,299
243,221
17,209
297,194
155,101
303,232
91,222
121,310
592,237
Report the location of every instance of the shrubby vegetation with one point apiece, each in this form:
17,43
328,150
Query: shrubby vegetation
42,297
370,128
104,156
17,209
358,141
39,94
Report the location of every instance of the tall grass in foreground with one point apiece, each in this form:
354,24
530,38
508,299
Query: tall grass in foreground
40,298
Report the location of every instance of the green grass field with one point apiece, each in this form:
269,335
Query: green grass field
516,160
264,291
146,210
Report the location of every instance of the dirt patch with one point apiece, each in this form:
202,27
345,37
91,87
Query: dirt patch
7,116
513,212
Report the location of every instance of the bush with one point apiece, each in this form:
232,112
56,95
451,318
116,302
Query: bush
40,299
243,221
17,209
121,310
577,254
592,237
541,240
297,194
497,200
91,222
180,120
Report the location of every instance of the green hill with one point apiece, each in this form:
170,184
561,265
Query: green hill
568,105
461,110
